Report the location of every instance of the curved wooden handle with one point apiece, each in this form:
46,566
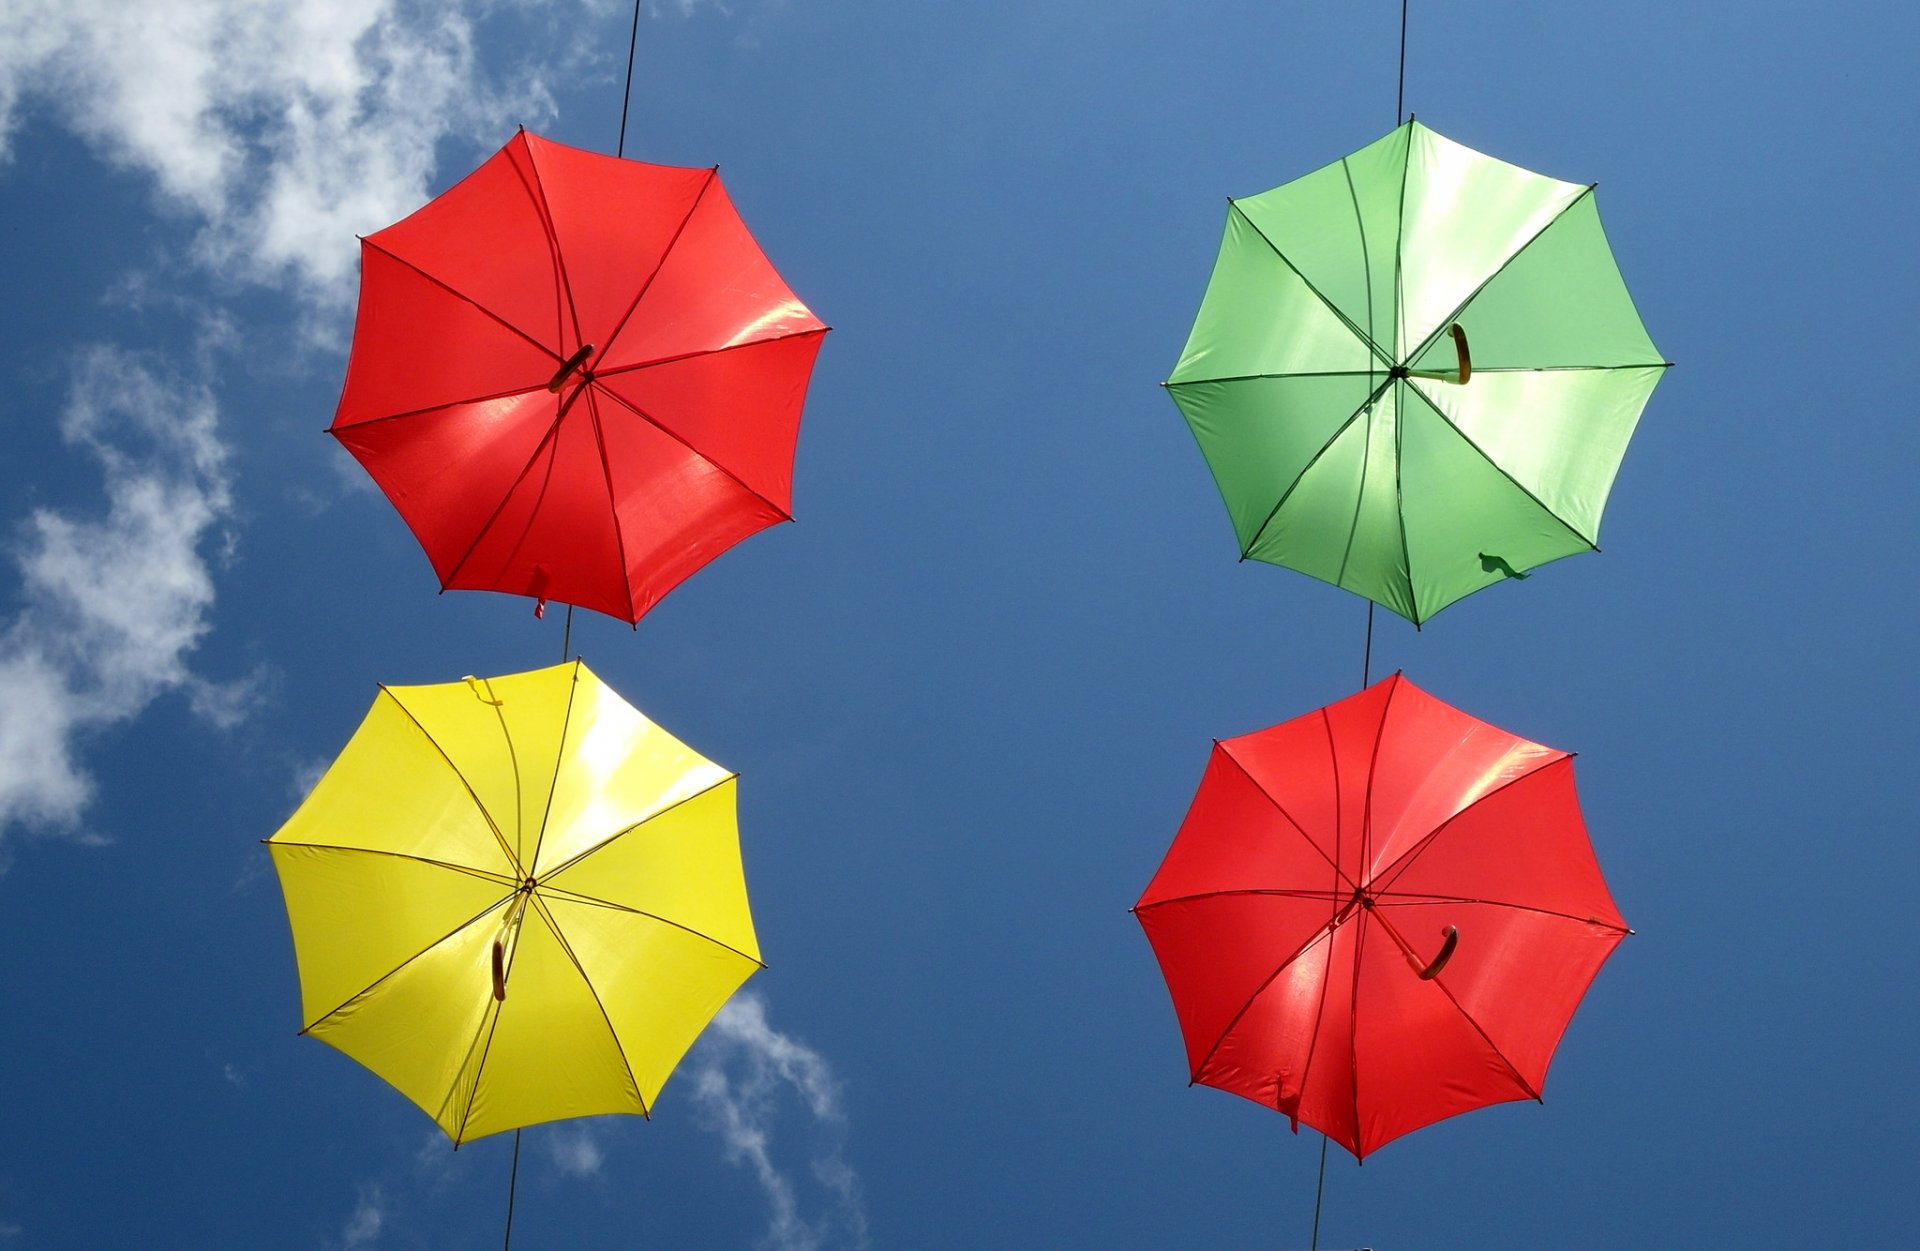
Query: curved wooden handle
500,970
1446,953
1459,333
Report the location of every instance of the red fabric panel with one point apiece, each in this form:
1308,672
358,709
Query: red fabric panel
487,238
716,289
740,407
615,221
417,345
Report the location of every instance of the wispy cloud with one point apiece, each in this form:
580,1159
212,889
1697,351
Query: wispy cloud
575,1148
745,1075
363,1226
114,602
284,129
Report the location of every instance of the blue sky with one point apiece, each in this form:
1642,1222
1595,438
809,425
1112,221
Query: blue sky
971,691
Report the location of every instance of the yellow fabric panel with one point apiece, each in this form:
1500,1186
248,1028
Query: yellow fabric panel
660,984
392,790
507,751
620,769
359,915
682,866
422,1029
552,1052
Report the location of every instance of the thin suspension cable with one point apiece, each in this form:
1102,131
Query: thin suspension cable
1366,657
513,1182
1319,1190
1400,96
626,93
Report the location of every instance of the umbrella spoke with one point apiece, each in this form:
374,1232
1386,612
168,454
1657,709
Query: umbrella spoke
713,177
560,936
1385,358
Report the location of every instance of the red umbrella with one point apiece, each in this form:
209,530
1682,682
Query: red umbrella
577,377
1378,915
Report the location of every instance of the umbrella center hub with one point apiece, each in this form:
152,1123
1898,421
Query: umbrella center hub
528,885
1398,371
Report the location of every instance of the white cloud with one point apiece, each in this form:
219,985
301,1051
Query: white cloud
284,128
113,603
743,1072
575,1148
363,1227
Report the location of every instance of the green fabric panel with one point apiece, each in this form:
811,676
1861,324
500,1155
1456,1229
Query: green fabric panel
1258,434
1258,317
1340,227
1463,513
1559,433
1560,303
1341,523
1465,215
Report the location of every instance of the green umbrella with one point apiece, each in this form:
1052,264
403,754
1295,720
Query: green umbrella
1415,372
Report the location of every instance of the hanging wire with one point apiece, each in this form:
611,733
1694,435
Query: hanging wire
513,1181
1318,1191
1400,94
1366,656
566,633
626,93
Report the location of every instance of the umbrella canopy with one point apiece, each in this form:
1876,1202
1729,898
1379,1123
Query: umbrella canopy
1379,915
577,377
516,899
1415,372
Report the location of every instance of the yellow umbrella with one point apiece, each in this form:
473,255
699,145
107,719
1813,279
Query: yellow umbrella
516,899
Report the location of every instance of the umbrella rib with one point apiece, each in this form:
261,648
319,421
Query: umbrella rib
1311,462
1496,467
590,901
550,437
1566,369
338,432
1464,1015
1325,931
472,794
713,176
564,865
1400,504
1353,1031
1393,872
614,1034
1310,373
1373,761
1450,318
489,1024
499,879
643,415
1331,896
459,295
374,985
613,504
1360,496
1399,251
1346,321
1492,1046
1300,829
1430,901
618,370
537,192
566,727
